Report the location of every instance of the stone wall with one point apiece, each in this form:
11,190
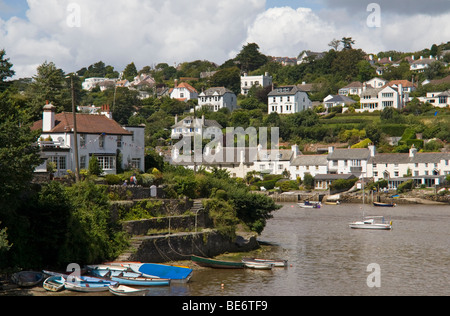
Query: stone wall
173,223
183,246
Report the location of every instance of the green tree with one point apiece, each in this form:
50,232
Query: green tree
229,78
347,42
5,68
50,85
130,72
94,166
250,58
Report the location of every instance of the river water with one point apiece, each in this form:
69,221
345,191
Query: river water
326,257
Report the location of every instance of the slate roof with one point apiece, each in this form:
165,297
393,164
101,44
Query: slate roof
349,154
285,90
195,122
310,160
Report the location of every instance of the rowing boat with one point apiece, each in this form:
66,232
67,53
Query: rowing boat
218,264
275,262
123,290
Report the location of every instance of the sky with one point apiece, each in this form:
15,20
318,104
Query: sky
77,33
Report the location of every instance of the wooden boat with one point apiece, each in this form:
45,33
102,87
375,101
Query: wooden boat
333,203
258,265
122,290
28,278
88,284
379,204
153,270
54,283
140,281
309,204
370,222
218,264
276,262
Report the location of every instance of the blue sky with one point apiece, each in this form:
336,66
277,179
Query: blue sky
10,8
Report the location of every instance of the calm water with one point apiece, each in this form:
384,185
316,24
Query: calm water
329,258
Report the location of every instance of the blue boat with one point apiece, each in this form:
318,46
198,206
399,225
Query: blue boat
153,270
129,278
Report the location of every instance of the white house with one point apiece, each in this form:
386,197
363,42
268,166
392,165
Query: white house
421,64
183,92
312,164
376,82
189,126
91,83
349,161
427,169
354,88
288,100
378,99
438,99
259,81
98,136
217,98
336,100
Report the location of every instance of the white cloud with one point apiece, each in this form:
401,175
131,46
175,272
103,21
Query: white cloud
119,32
286,32
148,32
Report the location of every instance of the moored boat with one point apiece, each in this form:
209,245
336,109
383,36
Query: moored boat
28,278
258,265
309,204
88,284
379,204
122,290
175,274
370,222
54,283
275,262
218,264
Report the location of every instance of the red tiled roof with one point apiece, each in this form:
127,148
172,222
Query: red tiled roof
86,124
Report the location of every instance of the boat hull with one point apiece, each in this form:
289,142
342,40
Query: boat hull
54,284
371,226
378,204
173,273
217,264
123,290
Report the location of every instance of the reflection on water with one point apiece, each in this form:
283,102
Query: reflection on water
326,257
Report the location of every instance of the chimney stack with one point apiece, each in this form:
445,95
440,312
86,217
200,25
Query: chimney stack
48,122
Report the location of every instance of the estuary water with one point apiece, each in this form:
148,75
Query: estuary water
327,258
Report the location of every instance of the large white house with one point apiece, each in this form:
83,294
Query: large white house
377,99
247,82
183,92
217,98
288,100
98,135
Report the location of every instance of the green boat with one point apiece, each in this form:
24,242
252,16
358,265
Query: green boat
218,264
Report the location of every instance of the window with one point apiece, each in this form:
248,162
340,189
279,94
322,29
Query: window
83,162
101,141
106,162
82,140
60,162
119,141
136,163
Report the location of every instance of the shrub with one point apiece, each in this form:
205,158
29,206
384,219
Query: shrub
112,179
406,186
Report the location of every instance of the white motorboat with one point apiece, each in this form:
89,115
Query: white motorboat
309,204
372,222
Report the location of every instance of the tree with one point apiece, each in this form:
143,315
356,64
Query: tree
94,166
50,85
335,43
5,67
229,78
347,42
250,58
130,72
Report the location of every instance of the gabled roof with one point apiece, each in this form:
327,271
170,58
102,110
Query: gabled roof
86,124
310,160
196,122
215,91
187,86
285,90
340,98
349,154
